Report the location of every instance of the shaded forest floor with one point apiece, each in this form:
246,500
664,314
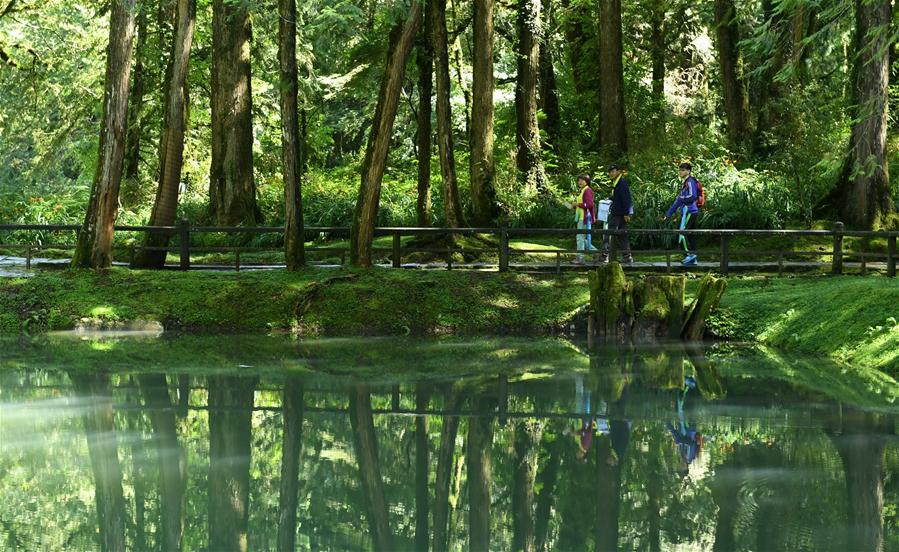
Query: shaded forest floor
850,319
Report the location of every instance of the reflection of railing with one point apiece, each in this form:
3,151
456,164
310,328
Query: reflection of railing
833,244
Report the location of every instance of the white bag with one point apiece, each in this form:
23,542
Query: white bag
602,213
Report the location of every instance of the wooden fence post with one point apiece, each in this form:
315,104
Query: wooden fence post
837,248
725,254
891,256
184,238
397,250
503,248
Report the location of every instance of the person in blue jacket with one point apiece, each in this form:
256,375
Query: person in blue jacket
620,213
686,436
689,212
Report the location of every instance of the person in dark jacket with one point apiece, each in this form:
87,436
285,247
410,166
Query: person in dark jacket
620,213
686,203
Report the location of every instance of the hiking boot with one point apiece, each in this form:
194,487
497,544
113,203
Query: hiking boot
628,260
690,260
602,258
578,261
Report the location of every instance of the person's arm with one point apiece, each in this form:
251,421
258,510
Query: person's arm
628,200
692,194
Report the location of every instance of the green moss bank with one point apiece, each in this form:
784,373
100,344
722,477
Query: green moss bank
851,319
311,302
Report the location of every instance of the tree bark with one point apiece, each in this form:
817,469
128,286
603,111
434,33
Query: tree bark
613,128
608,496
422,446
171,458
736,99
99,428
290,464
230,432
581,41
366,213
658,48
94,249
171,144
366,446
483,192
548,97
444,474
291,167
526,441
480,477
548,477
423,136
527,132
451,203
865,182
232,190
136,101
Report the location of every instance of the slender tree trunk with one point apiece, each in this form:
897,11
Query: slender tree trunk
290,464
527,133
99,427
456,47
366,446
483,193
232,190
865,182
452,205
547,479
171,459
94,249
291,167
526,441
480,477
230,432
422,446
136,107
608,496
423,137
444,474
657,51
613,130
171,143
548,98
362,233
736,99
581,41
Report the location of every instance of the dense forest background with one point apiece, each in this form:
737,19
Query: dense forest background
779,104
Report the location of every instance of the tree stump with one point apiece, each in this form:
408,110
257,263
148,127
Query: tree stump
710,291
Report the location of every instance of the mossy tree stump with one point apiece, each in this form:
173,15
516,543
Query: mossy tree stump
649,308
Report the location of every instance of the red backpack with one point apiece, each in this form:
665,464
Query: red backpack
700,194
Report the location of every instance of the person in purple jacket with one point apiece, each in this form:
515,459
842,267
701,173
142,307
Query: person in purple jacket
689,212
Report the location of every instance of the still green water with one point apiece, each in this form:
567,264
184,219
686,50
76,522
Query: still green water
400,444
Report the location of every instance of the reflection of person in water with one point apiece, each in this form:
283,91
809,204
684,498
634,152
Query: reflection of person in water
597,422
686,436
583,434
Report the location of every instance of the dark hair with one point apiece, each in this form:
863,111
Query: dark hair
613,167
585,177
686,166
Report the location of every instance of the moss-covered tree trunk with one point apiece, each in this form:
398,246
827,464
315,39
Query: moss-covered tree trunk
291,448
610,301
445,456
711,290
423,133
613,128
291,164
94,248
483,193
232,190
736,97
527,131
451,204
366,212
171,142
366,447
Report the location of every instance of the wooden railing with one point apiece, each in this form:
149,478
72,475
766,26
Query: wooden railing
832,245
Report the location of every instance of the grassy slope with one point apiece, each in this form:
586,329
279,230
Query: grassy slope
317,302
851,319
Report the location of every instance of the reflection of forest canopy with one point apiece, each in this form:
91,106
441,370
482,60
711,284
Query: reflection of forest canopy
773,477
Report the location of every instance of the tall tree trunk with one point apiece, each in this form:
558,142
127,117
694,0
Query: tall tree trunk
480,476
736,99
422,446
290,464
291,167
608,496
94,249
171,143
613,130
451,203
99,427
232,190
362,233
136,101
548,98
865,182
527,133
423,136
366,446
658,48
547,482
445,456
170,456
230,432
526,441
581,41
483,193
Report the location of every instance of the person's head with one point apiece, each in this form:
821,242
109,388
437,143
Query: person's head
685,169
614,171
583,180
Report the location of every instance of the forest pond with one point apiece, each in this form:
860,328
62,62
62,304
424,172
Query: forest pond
213,442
